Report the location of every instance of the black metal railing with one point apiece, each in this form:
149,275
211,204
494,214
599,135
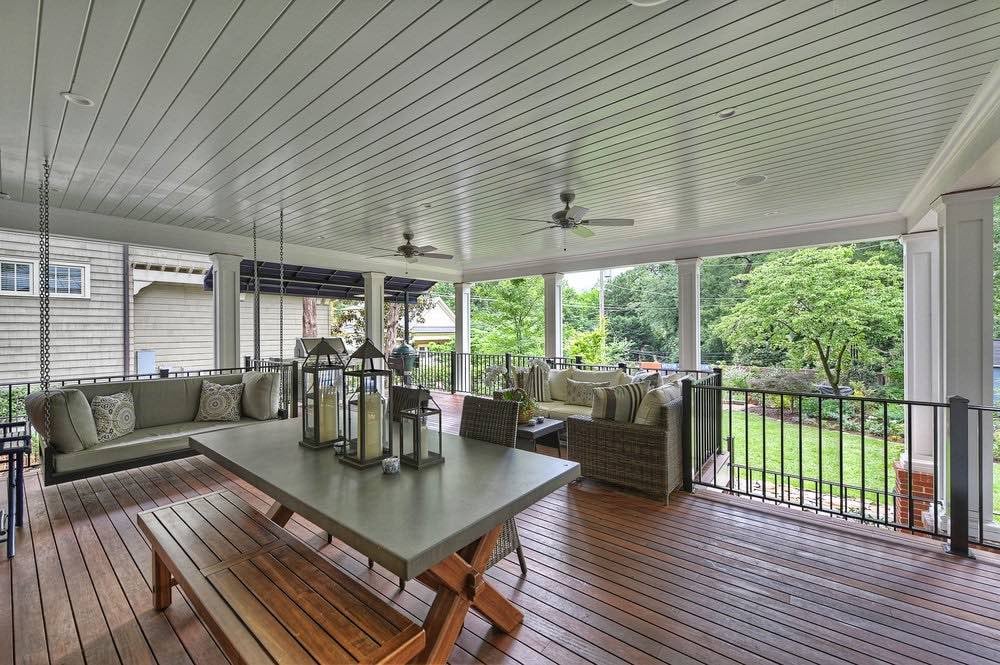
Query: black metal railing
846,456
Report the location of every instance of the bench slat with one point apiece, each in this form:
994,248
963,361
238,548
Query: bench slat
264,594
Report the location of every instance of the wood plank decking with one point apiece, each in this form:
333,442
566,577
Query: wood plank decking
613,579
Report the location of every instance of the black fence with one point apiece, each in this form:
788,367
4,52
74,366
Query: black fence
846,456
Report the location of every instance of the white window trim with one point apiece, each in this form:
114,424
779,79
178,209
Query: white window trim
32,278
35,284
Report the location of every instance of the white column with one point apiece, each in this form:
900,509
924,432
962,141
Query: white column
553,314
226,308
689,312
463,321
375,308
965,224
922,342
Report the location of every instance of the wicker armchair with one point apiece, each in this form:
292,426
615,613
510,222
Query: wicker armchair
640,457
495,421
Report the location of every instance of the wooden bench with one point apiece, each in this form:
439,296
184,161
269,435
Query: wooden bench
266,596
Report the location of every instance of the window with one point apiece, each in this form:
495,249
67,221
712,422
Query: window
66,280
15,278
19,278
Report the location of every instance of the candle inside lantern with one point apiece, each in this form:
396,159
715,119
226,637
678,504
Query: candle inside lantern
328,414
373,417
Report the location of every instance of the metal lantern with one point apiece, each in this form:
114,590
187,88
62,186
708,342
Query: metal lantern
419,439
323,390
368,426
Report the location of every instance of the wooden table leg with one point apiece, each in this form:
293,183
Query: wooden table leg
460,585
162,582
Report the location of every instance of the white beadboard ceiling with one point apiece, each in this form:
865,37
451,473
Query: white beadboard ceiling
363,118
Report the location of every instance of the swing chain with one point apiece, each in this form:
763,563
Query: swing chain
281,299
44,365
256,298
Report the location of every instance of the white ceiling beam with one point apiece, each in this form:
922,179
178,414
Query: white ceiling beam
871,227
18,216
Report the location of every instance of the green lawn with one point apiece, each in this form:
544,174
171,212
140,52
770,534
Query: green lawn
766,434
753,435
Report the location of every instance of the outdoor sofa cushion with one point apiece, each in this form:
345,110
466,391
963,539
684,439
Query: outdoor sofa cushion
557,383
167,401
261,395
561,410
582,392
618,403
70,417
652,408
138,444
614,377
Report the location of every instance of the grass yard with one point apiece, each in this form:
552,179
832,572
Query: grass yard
760,439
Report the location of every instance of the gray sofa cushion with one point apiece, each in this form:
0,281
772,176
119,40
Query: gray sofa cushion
261,395
561,410
71,420
140,443
167,401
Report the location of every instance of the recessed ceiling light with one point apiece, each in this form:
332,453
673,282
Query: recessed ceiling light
74,98
726,113
749,180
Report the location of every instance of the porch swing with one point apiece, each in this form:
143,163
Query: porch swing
142,422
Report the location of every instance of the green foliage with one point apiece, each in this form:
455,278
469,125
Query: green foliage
595,347
509,316
820,306
642,308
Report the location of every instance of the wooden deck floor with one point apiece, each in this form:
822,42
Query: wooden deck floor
613,579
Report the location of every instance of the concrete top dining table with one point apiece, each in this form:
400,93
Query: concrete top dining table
438,524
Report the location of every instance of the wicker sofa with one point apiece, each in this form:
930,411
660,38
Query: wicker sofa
644,458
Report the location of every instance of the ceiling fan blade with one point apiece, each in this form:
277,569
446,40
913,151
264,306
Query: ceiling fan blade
582,231
551,226
426,248
521,219
437,255
609,222
576,213
382,256
386,249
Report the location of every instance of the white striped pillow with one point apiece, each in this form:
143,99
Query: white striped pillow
619,403
533,380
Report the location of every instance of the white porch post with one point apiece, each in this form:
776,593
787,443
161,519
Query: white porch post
689,312
375,308
922,342
965,225
463,321
553,314
226,308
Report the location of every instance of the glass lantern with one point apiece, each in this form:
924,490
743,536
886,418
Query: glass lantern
368,429
323,390
420,434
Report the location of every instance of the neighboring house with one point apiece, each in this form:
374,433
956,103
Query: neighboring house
167,309
435,326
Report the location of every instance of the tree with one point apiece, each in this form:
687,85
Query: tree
347,319
508,316
641,305
821,306
595,347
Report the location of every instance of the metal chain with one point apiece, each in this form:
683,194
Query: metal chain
256,298
281,294
44,365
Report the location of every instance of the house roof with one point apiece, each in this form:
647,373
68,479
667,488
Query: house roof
312,282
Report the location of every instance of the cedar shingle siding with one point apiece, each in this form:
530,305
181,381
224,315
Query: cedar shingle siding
173,319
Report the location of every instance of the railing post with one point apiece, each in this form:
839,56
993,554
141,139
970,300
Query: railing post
686,434
718,409
507,364
294,406
958,472
164,373
579,361
454,371
246,363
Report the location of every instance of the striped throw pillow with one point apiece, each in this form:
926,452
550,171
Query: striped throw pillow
619,403
534,380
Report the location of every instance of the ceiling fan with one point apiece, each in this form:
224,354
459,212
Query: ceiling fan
572,219
410,252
